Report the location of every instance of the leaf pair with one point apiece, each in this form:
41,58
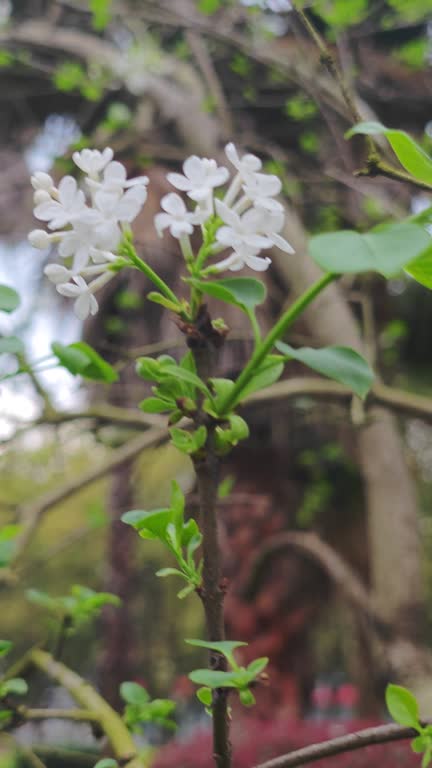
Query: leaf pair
140,709
177,383
240,678
82,605
403,708
81,359
180,537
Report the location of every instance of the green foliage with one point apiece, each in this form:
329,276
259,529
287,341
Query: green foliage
80,359
403,708
5,647
413,53
101,13
8,536
241,65
208,7
342,364
386,250
71,76
178,384
6,58
74,610
14,686
243,292
240,678
421,268
189,442
309,142
181,538
340,14
9,299
300,107
410,155
107,762
412,11
118,116
140,709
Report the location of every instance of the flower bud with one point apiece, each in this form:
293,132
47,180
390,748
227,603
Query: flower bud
57,274
41,180
38,238
41,196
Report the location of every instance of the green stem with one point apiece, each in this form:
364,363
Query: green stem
255,327
150,273
263,349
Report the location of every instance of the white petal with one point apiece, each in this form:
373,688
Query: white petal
41,180
115,172
57,274
161,222
194,169
234,262
180,228
232,154
256,242
228,215
81,259
281,243
38,238
69,290
131,203
257,263
82,306
219,177
179,182
47,211
67,190
227,236
173,204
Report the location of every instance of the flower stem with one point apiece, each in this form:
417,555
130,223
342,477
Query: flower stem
263,349
130,251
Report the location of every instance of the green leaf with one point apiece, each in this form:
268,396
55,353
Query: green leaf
156,405
213,678
247,698
410,155
150,525
101,13
386,251
8,535
5,647
9,299
342,364
133,693
11,345
421,268
107,762
256,667
269,372
427,757
243,292
204,695
16,686
164,572
186,591
208,7
225,647
81,359
402,706
187,376
188,442
420,743
158,298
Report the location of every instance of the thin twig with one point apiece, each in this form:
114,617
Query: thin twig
381,734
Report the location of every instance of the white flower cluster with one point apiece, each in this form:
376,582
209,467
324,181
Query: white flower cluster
89,226
88,230
252,218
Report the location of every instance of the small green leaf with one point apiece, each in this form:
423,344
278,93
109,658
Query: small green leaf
387,250
257,666
133,693
402,706
186,591
156,405
269,372
247,698
204,695
243,292
421,268
208,7
9,299
11,345
342,364
213,678
225,647
16,686
164,572
81,359
5,647
410,155
150,525
158,298
107,762
101,13
420,743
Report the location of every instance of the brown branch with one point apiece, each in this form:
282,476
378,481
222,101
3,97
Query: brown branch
381,734
377,167
205,63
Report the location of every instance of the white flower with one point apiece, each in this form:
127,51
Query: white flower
70,205
57,274
201,175
246,164
115,179
125,207
85,303
261,188
38,238
241,230
91,161
273,222
176,217
277,6
243,257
